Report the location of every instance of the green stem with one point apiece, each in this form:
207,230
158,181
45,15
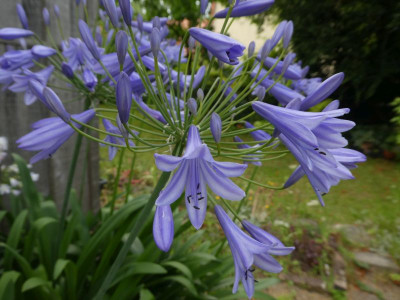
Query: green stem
116,182
128,185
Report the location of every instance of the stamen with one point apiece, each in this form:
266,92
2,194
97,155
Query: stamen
323,153
201,198
196,207
188,198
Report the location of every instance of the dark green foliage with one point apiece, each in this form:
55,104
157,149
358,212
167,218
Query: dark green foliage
357,37
40,260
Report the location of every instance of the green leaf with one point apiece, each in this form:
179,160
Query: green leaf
59,267
43,222
7,284
180,267
183,281
14,236
145,294
34,282
2,214
26,268
135,268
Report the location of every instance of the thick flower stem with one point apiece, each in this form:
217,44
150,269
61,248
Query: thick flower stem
116,182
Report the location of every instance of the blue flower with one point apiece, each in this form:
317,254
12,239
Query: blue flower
196,170
163,227
8,33
109,127
246,8
50,134
247,158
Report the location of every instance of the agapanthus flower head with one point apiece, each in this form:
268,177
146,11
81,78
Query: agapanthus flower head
22,16
56,105
9,33
163,227
246,8
50,134
196,170
221,46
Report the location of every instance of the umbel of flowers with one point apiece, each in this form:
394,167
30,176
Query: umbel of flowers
131,76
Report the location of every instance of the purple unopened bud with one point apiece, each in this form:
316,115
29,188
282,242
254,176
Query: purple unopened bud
287,62
216,127
251,48
110,34
260,93
121,44
126,10
111,10
192,106
200,94
9,33
42,51
278,33
56,9
192,43
203,6
67,70
265,50
22,16
323,91
155,41
163,227
287,35
156,22
89,79
56,105
87,38
122,128
139,20
46,16
124,97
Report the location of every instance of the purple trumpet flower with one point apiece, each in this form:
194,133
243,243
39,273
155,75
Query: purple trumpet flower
37,89
278,34
309,136
196,170
287,35
251,48
6,77
89,79
22,16
78,54
163,227
126,10
98,36
246,8
258,135
203,6
50,134
265,261
87,38
221,46
248,158
121,44
124,97
21,82
46,16
56,105
246,252
109,127
155,41
67,70
9,33
306,86
216,127
111,10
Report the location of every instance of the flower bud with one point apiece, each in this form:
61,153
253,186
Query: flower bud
124,97
67,70
155,41
192,105
87,38
42,51
37,89
287,62
98,36
22,16
216,127
156,23
56,105
260,93
278,33
56,9
139,20
192,43
203,6
46,16
200,94
126,10
89,79
251,48
287,35
121,44
111,10
9,33
163,227
265,50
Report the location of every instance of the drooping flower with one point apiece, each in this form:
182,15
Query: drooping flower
87,38
196,170
56,105
22,16
246,8
163,227
21,82
50,134
89,79
221,46
9,33
246,252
